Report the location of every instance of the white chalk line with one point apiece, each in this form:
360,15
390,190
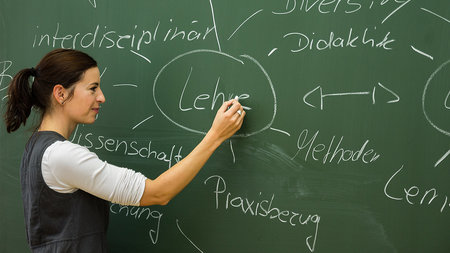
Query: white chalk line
103,72
232,151
140,55
397,98
287,12
245,21
439,16
272,51
93,2
280,131
215,26
446,101
446,132
442,158
142,122
422,53
347,94
398,8
188,238
272,89
125,84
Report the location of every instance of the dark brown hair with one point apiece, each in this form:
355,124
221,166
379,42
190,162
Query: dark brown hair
60,66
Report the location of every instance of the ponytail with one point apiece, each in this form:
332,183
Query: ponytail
20,100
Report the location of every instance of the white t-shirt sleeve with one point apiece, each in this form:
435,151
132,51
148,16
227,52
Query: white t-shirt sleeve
67,167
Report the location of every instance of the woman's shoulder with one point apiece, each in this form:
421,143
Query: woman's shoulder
40,141
65,151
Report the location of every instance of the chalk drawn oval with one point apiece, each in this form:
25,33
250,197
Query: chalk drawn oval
434,99
190,88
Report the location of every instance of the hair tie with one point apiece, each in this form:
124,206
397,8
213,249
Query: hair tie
33,72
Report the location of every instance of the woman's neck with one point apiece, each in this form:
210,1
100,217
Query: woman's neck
52,122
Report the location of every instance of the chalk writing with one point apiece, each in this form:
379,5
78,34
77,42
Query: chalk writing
320,6
263,207
328,41
5,78
308,148
410,194
101,36
215,97
138,213
212,99
292,38
338,6
129,147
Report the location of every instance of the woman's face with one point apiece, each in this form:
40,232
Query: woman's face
84,105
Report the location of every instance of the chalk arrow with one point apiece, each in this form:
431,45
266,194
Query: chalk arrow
395,99
317,95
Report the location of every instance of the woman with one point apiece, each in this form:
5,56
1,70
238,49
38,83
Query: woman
65,187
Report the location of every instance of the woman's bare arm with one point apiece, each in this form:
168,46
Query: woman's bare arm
166,186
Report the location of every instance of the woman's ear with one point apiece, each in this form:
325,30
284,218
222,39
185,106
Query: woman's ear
60,94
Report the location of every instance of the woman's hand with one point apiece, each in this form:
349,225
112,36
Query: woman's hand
227,121
161,190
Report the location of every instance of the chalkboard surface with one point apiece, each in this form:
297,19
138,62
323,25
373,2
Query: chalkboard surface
345,147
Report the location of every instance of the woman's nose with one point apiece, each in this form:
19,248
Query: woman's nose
101,98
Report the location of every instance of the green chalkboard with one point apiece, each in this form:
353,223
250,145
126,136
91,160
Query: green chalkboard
345,147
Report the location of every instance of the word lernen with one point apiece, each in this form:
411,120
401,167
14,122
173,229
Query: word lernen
413,194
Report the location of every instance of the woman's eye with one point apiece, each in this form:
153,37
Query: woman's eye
94,89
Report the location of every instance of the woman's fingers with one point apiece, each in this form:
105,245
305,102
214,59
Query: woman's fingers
225,105
235,107
228,119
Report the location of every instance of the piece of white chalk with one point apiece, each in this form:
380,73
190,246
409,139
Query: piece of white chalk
237,99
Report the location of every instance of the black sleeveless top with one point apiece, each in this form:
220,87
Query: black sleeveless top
58,222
